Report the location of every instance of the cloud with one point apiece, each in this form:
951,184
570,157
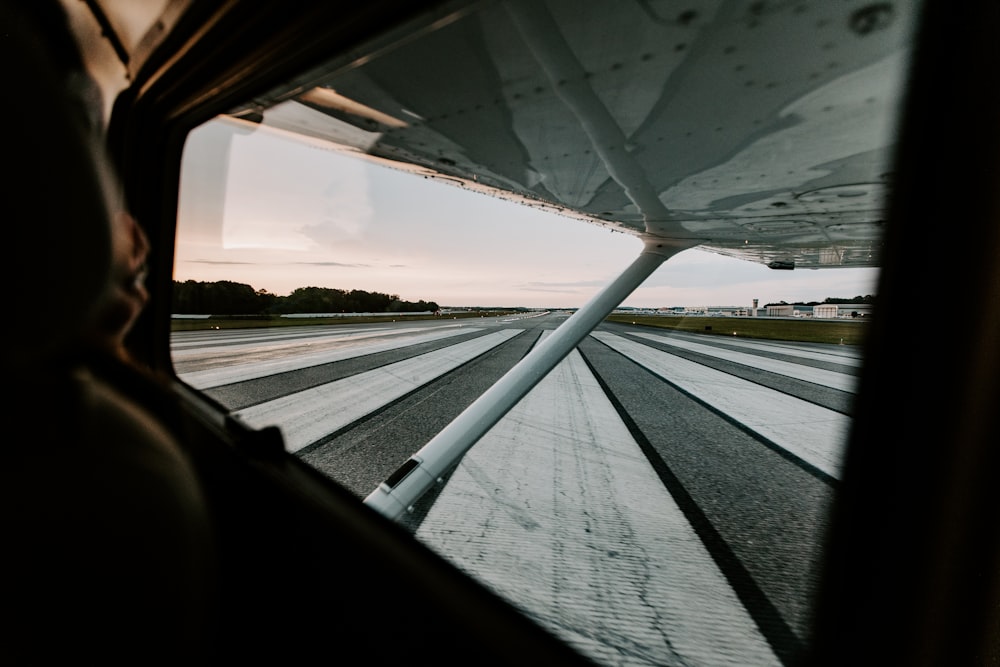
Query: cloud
562,287
321,203
218,262
347,209
338,264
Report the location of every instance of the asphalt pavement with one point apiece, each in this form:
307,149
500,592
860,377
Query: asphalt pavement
658,499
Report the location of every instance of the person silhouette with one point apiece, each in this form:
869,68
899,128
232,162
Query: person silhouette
108,540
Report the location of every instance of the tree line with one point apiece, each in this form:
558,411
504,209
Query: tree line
225,297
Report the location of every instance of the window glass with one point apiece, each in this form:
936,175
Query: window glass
363,253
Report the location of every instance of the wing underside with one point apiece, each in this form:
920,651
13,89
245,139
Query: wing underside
763,131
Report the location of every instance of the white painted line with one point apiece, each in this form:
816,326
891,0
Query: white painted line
557,496
182,340
812,433
227,365
820,376
848,355
306,416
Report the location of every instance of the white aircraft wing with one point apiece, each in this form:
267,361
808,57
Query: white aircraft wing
762,131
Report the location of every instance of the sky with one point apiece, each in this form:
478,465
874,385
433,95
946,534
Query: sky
278,214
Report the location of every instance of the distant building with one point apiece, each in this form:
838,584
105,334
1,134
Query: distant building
825,311
781,310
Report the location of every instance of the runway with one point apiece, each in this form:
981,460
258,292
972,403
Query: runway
658,499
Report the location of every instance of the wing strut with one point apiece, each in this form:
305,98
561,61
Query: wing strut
397,494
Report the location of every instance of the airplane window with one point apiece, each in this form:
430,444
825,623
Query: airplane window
367,252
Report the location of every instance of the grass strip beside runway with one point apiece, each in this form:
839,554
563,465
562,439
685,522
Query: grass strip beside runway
837,332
